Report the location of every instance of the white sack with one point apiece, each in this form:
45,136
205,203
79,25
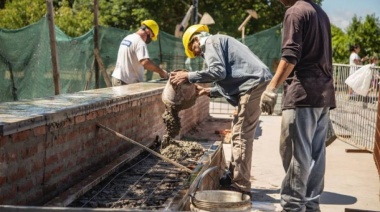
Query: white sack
360,80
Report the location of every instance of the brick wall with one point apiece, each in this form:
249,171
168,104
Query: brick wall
43,154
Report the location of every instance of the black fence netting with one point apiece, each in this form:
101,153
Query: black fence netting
26,67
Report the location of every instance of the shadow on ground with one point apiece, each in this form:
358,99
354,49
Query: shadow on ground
265,195
337,199
259,130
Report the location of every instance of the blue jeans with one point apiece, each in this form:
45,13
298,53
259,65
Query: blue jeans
302,149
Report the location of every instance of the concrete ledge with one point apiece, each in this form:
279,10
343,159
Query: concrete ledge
26,114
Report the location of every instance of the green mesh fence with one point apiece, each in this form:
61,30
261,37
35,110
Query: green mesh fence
26,68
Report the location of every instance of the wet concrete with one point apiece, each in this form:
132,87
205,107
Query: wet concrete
173,126
180,150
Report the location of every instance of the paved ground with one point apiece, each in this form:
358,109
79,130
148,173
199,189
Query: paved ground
351,181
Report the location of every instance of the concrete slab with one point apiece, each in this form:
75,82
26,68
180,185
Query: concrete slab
351,180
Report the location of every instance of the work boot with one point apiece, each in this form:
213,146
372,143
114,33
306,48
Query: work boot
226,180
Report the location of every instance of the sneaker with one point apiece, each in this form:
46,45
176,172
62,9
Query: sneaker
226,179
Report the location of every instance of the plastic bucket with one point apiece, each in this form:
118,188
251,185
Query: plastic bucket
181,97
218,200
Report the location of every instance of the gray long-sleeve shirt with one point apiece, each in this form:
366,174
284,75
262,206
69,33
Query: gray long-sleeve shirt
232,66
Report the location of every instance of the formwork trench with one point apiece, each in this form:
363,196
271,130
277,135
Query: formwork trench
150,183
145,183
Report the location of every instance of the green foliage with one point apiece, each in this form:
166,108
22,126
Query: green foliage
75,20
365,33
75,17
339,45
18,14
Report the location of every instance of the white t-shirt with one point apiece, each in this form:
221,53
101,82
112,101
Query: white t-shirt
353,65
132,49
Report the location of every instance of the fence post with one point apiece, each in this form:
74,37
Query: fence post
376,149
53,46
96,40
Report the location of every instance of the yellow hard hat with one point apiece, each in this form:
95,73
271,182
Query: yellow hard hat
186,38
152,25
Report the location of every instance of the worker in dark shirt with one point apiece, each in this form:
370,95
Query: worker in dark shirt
305,70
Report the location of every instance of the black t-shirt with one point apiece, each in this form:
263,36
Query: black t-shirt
307,44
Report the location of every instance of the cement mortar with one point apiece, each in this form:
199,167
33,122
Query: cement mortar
180,150
173,125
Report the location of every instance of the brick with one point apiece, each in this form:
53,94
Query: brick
37,165
4,140
21,136
3,180
71,136
41,130
68,122
17,175
80,119
25,186
57,170
108,110
51,160
7,195
22,153
31,151
59,139
11,155
101,112
92,115
65,154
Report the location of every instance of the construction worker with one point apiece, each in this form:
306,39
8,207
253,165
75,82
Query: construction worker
240,77
133,56
306,72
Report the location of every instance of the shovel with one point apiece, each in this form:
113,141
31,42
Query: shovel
146,148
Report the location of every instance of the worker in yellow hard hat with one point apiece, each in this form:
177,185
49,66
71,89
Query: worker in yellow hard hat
133,56
240,77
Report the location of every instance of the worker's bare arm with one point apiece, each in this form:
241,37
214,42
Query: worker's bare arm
149,65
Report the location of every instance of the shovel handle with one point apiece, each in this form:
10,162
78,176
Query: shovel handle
146,148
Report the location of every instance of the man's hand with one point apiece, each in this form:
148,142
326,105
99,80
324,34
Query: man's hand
179,77
268,100
202,91
164,74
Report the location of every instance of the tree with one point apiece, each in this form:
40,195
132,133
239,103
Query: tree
228,14
75,17
18,14
365,33
339,45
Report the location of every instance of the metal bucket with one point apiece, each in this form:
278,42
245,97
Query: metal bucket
218,200
181,97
